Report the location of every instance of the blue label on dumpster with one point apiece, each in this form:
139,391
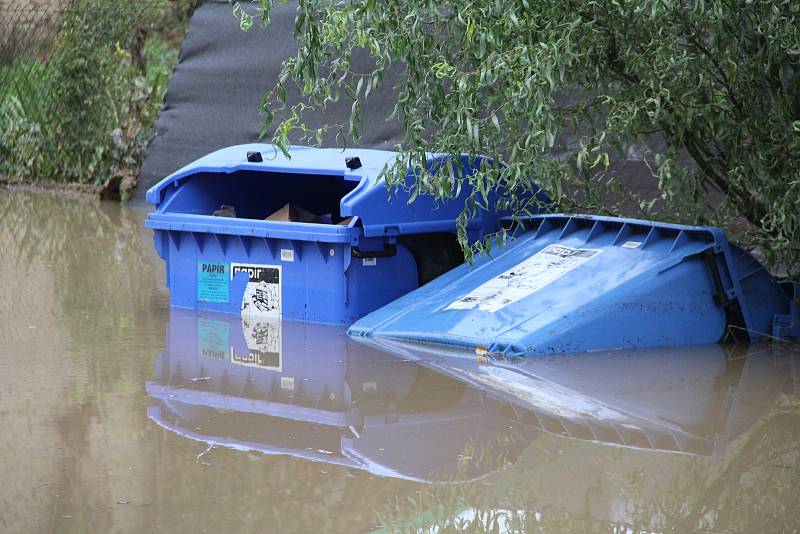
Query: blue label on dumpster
212,282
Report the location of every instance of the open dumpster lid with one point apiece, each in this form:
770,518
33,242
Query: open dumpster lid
367,201
578,283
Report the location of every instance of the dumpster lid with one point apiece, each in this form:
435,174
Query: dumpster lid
367,201
576,283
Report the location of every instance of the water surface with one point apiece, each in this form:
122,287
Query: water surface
119,415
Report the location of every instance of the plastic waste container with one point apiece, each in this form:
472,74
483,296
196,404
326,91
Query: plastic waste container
315,237
577,283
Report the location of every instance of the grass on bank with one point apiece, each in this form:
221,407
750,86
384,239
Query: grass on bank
82,110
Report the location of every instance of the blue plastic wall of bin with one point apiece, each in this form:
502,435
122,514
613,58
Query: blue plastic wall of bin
322,280
578,283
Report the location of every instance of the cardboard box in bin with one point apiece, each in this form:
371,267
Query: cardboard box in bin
292,213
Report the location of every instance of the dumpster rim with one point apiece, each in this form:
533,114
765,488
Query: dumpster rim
293,231
222,162
713,230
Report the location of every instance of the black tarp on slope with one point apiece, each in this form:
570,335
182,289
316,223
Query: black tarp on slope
221,76
222,73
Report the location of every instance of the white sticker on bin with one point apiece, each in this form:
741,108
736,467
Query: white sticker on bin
262,295
632,244
287,254
369,262
525,278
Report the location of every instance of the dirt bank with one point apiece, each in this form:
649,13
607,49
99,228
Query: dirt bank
77,190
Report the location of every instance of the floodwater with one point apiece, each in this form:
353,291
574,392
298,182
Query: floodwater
117,415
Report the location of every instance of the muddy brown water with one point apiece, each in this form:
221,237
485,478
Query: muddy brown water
118,415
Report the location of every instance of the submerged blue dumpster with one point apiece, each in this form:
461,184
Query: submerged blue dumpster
315,237
579,283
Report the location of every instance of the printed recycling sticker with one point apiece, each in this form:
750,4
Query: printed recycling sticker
262,296
525,278
212,282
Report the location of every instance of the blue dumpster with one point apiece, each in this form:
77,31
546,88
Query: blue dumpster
578,283
315,237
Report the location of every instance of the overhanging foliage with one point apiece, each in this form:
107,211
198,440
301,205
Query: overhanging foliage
558,90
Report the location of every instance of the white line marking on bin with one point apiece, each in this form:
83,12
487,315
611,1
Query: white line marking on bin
525,278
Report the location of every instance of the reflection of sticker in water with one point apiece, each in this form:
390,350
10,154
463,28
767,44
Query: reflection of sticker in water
212,282
528,276
213,338
262,296
263,340
632,244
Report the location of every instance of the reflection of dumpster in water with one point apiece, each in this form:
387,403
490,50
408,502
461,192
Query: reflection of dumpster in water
693,400
324,398
419,413
263,340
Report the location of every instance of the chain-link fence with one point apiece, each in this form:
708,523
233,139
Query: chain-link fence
81,83
27,33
